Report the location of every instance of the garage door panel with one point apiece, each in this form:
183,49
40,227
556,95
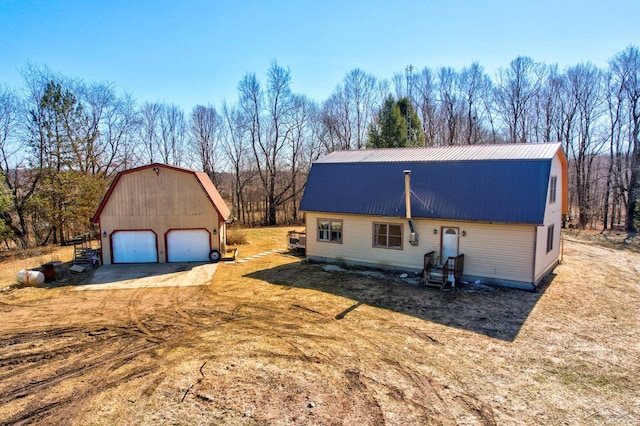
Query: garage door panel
134,247
188,245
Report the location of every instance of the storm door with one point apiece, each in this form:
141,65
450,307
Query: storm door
449,243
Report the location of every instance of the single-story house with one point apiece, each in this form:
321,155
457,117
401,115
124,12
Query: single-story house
499,205
160,213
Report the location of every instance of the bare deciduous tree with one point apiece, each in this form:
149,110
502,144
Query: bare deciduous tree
204,131
424,94
149,130
474,85
173,131
266,115
451,109
15,190
616,185
236,147
516,88
584,89
349,110
118,129
626,66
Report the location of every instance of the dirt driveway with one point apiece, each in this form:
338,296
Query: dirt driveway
277,340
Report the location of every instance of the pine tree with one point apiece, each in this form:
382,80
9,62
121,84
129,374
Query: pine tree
389,130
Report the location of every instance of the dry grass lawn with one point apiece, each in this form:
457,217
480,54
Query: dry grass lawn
14,261
277,340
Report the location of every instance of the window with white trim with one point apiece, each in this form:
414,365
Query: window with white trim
330,230
387,235
553,184
549,238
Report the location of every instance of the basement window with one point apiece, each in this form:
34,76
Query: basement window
387,235
330,230
553,184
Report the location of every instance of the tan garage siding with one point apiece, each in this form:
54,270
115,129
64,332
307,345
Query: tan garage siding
171,193
157,223
491,250
170,199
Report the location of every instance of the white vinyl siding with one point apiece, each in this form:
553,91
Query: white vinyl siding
491,250
498,251
546,259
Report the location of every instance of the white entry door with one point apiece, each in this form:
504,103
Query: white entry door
134,247
188,245
449,243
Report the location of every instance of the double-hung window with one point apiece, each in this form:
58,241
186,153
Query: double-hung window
553,184
387,235
330,230
550,238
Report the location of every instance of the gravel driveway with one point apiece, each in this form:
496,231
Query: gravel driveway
148,275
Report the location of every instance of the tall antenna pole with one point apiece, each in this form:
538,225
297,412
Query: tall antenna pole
409,71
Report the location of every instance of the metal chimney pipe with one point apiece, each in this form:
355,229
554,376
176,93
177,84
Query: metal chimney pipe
407,192
413,237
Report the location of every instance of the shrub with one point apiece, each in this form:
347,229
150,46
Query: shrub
236,237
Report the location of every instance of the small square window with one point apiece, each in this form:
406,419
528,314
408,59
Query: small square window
330,230
387,235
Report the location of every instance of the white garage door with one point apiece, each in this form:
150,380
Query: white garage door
134,247
188,245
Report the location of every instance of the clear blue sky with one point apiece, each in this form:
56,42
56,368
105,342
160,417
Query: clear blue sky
196,52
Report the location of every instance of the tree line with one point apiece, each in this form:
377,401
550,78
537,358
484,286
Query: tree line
62,140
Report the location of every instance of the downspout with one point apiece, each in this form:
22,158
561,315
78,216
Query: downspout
413,237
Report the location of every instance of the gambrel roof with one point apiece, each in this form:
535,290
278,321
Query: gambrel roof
201,178
487,183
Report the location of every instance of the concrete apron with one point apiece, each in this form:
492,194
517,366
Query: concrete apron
150,275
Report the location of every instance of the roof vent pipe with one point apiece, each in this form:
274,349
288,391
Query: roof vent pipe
413,237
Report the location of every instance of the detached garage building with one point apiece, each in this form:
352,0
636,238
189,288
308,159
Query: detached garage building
161,213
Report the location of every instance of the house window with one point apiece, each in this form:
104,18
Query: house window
387,235
553,183
330,230
549,238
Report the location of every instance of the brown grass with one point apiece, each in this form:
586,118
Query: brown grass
16,260
277,340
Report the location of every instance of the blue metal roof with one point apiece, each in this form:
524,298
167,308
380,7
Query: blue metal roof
487,190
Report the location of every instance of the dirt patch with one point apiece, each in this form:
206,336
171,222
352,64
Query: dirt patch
280,341
610,239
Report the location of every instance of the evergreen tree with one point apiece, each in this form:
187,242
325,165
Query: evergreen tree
389,130
415,136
